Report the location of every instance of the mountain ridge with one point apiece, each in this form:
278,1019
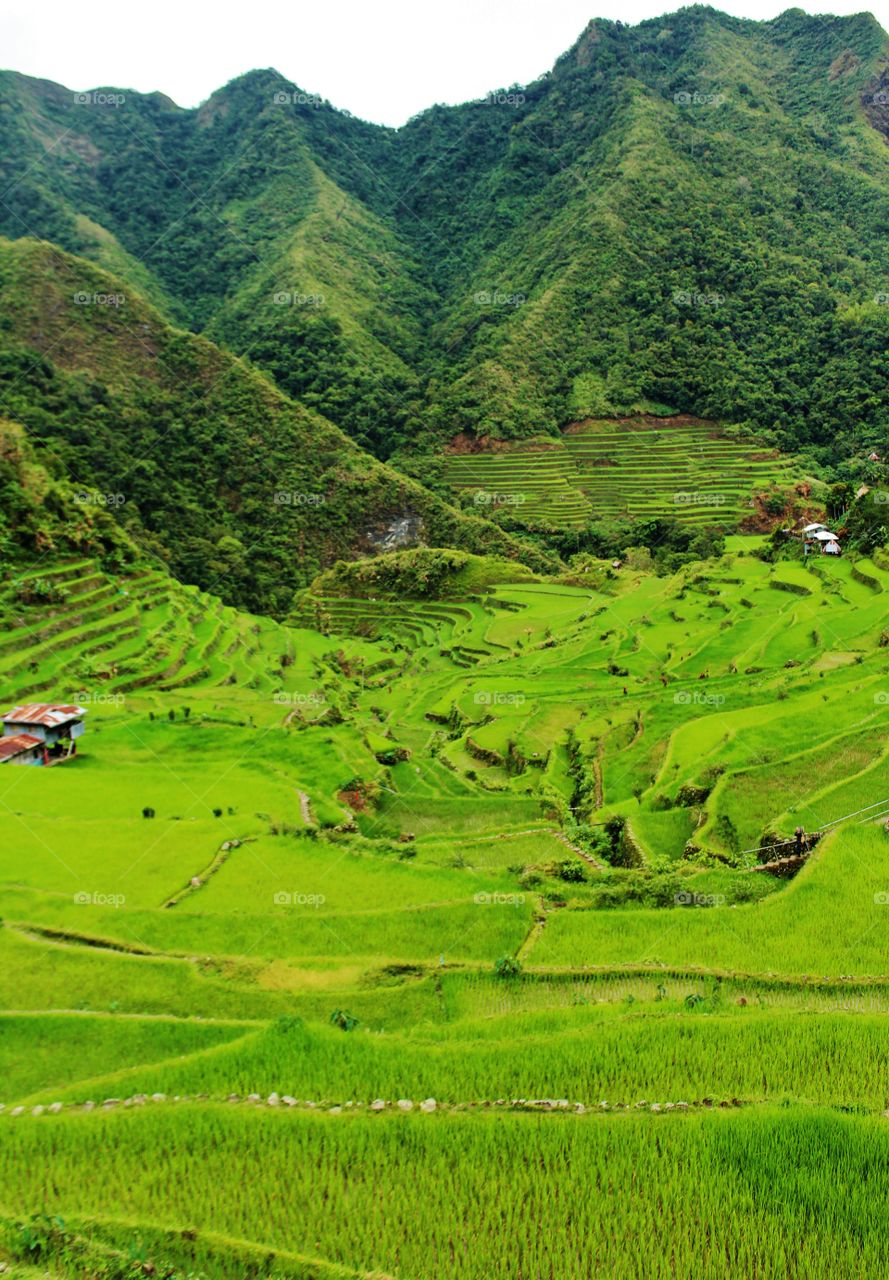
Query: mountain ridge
200,457
682,216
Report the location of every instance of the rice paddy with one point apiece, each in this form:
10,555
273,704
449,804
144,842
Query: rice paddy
642,468
421,938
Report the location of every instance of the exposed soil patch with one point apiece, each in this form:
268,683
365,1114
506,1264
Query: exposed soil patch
646,420
464,443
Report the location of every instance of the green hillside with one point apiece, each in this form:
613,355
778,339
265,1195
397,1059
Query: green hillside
237,487
505,831
682,216
218,215
474,864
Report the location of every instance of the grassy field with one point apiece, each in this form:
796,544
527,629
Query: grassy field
705,1196
407,908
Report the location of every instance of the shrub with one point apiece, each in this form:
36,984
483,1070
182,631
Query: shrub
507,967
345,1021
570,870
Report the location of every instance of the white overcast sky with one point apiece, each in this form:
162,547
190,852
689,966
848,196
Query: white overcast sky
384,60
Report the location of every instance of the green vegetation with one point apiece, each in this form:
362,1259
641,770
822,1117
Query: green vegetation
681,216
416,851
235,487
475,861
633,471
722,1172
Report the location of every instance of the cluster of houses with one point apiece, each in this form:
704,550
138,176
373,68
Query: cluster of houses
41,733
817,537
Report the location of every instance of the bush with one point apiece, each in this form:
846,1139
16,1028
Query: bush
507,967
570,870
345,1021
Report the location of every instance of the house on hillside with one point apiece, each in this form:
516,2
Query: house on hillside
20,748
41,733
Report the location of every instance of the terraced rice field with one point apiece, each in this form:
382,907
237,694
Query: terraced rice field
636,467
537,481
339,931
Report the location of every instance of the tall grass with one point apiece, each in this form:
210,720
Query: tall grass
791,1193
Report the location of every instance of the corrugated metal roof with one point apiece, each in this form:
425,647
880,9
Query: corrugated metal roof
49,714
21,742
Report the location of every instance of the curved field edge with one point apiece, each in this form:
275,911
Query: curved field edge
687,1050
117,1249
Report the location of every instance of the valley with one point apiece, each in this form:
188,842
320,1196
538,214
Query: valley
488,848
444,666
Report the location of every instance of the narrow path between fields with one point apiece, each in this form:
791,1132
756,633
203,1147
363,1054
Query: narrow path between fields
404,1106
305,809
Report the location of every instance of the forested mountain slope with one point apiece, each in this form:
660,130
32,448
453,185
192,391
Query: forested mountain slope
684,215
237,487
